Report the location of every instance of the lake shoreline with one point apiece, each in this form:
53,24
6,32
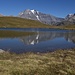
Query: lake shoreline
2,28
57,50
60,28
39,53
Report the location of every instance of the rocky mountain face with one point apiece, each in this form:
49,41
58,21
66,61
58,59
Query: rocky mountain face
70,17
69,20
36,15
46,18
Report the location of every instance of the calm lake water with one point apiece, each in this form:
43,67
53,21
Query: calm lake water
42,40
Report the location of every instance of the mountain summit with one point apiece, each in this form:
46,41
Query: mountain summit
30,14
36,15
70,17
68,20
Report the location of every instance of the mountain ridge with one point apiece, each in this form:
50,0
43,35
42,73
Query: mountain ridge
39,16
68,20
46,18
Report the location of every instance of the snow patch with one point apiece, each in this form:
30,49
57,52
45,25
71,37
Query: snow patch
33,11
37,17
70,15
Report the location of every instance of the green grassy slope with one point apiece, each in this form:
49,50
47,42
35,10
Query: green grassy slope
15,22
61,62
20,23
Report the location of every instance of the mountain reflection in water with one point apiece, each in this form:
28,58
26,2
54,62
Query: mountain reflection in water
43,41
45,36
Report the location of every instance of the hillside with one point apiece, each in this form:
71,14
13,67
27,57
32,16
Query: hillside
15,22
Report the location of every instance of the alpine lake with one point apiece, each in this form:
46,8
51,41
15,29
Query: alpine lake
21,40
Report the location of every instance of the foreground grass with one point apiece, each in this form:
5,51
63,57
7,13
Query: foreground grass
61,62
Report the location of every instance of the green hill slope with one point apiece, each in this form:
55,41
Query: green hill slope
15,22
12,22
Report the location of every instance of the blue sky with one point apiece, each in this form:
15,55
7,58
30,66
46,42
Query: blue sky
59,8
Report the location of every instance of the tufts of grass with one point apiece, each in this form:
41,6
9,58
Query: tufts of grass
61,62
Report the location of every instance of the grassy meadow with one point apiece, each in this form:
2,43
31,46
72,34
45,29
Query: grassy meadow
16,22
60,62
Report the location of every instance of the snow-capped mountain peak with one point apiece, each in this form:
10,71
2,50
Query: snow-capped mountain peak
33,11
70,15
36,15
